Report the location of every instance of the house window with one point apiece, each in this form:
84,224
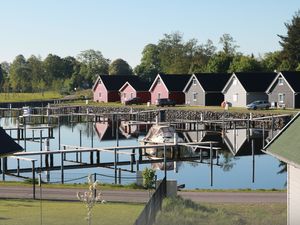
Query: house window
131,95
235,97
124,95
158,81
99,94
195,96
234,81
280,81
281,98
99,82
194,81
158,96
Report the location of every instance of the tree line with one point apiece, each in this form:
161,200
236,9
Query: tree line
171,54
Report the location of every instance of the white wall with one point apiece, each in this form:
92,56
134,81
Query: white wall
293,195
236,89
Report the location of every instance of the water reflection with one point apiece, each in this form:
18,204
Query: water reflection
232,163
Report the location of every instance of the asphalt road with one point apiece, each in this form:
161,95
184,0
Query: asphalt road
140,196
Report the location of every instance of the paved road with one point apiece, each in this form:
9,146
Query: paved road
140,196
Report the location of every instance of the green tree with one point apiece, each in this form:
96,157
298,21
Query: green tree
20,75
229,46
219,63
1,78
53,69
92,64
150,63
119,67
35,65
242,63
291,43
271,61
148,179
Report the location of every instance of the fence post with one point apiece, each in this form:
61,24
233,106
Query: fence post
33,179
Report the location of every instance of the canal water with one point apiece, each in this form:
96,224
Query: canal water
234,170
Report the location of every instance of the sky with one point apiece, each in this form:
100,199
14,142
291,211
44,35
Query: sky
122,28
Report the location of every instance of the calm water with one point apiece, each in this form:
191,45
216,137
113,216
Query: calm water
233,172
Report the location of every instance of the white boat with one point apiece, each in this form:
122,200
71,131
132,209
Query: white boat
160,134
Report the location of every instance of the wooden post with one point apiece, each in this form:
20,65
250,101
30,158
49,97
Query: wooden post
263,135
165,161
3,168
24,127
234,137
253,160
62,167
58,122
119,175
92,145
41,148
115,164
95,190
33,179
211,163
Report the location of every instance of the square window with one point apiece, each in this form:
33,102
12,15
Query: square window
280,81
194,81
99,94
131,95
158,96
234,82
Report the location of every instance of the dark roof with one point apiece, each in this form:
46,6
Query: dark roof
255,81
293,78
7,144
213,81
140,85
285,145
175,82
115,82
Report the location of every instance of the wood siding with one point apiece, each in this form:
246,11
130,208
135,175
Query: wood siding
144,95
293,195
283,89
159,88
113,96
189,94
178,96
100,93
235,90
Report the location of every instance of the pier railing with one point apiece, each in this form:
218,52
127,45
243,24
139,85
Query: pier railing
148,215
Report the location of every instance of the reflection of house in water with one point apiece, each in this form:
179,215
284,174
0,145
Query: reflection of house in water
239,144
131,129
170,166
106,131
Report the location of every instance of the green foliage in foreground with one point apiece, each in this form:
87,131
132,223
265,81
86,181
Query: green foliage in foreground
186,212
27,212
23,97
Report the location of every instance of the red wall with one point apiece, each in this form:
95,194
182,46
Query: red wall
113,96
179,97
144,95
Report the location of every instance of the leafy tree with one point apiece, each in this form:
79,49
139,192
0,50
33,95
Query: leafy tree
219,63
242,63
148,178
35,65
229,46
119,67
291,43
92,63
150,63
20,75
271,61
53,68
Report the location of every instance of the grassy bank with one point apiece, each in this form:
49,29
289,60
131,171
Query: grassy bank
26,212
179,211
26,97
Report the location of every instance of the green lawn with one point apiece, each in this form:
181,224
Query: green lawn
23,97
27,212
179,211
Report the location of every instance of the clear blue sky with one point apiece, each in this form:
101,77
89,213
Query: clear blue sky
120,29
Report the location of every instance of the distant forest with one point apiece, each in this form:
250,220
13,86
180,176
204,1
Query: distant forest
170,55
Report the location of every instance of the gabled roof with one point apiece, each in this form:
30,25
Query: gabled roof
138,85
173,82
213,82
7,144
255,81
286,145
115,82
293,79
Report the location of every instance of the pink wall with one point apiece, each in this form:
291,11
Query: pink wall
127,93
100,88
159,88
